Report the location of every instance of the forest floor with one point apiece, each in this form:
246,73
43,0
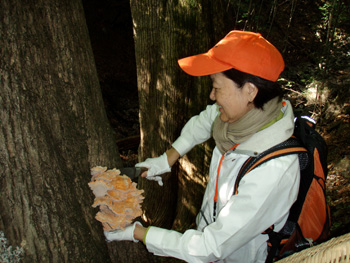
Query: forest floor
334,126
336,134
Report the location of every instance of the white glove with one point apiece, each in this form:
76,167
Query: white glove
156,166
122,235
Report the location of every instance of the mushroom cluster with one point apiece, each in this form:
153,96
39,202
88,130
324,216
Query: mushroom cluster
117,196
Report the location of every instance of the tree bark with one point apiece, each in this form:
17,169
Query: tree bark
53,130
163,33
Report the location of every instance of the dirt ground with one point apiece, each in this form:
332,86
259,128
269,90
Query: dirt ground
336,134
332,113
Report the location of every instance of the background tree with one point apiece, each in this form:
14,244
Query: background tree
53,130
163,33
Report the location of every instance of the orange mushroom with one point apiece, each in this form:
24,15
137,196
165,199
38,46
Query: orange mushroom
117,197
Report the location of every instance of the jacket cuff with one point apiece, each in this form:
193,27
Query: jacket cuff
182,146
144,237
163,242
152,239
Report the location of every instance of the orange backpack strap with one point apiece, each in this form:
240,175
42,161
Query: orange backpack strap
312,152
290,146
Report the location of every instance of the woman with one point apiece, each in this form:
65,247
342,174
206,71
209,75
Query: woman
248,118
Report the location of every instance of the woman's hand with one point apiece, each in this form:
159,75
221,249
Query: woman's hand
159,165
127,234
156,166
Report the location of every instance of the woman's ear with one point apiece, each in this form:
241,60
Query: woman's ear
251,91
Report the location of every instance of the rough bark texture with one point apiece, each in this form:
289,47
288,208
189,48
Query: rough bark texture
53,129
164,32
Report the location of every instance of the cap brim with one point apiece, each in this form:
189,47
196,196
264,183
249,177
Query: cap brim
202,65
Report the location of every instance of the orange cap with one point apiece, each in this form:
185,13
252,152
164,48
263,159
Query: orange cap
242,50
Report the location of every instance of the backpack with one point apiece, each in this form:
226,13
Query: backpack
308,222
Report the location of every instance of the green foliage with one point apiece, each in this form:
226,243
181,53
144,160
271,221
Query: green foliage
192,3
7,255
312,35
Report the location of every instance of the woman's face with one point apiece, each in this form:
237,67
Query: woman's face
234,102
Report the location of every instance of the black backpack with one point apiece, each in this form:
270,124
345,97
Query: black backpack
308,222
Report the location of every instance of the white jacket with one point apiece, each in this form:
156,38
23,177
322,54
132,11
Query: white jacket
264,197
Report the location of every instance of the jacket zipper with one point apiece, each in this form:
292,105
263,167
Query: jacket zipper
217,180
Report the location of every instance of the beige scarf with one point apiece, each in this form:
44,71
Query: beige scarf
227,134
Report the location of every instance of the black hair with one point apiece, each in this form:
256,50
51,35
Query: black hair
267,89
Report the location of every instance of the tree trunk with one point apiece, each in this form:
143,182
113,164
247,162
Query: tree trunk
53,130
164,32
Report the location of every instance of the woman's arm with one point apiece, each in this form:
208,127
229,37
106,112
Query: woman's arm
173,155
140,232
197,130
259,204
